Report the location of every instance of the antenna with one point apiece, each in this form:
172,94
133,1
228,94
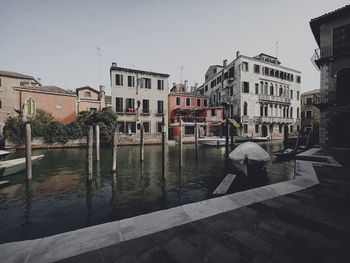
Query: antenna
182,72
99,64
276,47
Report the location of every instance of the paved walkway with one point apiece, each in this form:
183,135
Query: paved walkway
311,225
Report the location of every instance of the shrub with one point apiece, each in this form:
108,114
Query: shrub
75,130
14,130
57,132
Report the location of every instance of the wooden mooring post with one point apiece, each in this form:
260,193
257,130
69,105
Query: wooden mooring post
232,136
180,143
163,148
114,151
28,151
89,152
196,138
142,143
227,130
97,142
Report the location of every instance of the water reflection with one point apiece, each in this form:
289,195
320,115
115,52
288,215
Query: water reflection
60,198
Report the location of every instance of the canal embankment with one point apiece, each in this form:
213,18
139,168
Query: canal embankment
307,217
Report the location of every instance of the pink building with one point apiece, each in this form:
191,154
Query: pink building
91,99
62,104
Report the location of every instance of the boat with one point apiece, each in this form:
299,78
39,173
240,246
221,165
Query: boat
259,139
13,166
3,154
218,141
249,158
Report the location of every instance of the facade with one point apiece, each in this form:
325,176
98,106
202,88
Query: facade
310,114
258,92
61,103
139,97
332,34
91,99
8,80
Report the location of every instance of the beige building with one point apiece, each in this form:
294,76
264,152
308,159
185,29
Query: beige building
91,99
8,80
139,97
310,114
258,92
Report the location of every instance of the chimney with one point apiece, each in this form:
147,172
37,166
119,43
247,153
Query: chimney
102,96
186,85
114,64
224,63
237,54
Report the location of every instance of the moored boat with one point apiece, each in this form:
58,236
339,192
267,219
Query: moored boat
16,165
218,141
3,154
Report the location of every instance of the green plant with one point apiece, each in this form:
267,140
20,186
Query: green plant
75,130
14,130
56,132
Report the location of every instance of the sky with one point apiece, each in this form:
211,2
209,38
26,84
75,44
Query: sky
57,40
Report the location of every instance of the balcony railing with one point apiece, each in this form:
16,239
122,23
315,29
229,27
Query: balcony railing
266,119
329,52
272,98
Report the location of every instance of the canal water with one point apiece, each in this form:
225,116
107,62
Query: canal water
59,199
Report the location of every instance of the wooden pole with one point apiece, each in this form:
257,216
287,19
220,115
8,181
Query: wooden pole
196,138
90,149
180,143
114,151
163,148
142,144
296,144
227,129
232,135
28,152
97,131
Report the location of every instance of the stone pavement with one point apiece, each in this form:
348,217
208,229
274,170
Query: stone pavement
311,225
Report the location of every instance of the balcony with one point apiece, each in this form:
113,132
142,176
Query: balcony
275,120
271,98
329,52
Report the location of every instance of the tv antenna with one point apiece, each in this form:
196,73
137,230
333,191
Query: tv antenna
99,64
181,73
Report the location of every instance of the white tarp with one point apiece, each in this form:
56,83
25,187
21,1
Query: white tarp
249,151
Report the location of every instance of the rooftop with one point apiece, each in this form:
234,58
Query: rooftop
50,89
15,75
311,92
115,67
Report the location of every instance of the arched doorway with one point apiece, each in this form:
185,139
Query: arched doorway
263,131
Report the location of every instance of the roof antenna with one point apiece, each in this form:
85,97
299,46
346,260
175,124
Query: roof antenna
182,73
99,65
276,47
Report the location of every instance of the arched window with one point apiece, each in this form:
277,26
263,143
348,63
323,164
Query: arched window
30,106
291,112
297,113
281,90
245,109
271,89
265,88
261,87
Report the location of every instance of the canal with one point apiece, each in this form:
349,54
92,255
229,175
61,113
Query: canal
59,199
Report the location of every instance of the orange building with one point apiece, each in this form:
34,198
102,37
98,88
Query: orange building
62,104
91,99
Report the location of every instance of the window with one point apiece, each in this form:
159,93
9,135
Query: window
214,98
261,110
245,87
297,95
0,104
245,109
206,88
119,104
265,108
160,109
146,126
87,94
277,73
30,106
159,127
271,89
256,88
231,72
131,81
160,84
298,79
189,130
226,75
145,106
231,90
291,94
245,128
256,69
218,80
308,101
219,96
291,112
59,107
291,128
205,103
146,83
256,128
291,77
280,128
178,101
130,127
119,80
308,114
214,70
213,112
92,108
121,126
245,66
341,40
281,91
130,105
198,102
212,83
298,113
188,102
298,128
266,71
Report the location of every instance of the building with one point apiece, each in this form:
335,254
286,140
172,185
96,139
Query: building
8,80
310,114
139,97
91,99
189,106
258,92
332,35
61,103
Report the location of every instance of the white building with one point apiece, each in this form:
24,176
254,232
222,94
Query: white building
257,92
139,97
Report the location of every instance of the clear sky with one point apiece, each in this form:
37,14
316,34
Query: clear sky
56,40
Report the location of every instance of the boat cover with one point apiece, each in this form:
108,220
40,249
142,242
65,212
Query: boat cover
249,151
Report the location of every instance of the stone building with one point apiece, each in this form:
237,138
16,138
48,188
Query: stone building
61,103
332,34
258,92
310,114
8,80
91,99
139,97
